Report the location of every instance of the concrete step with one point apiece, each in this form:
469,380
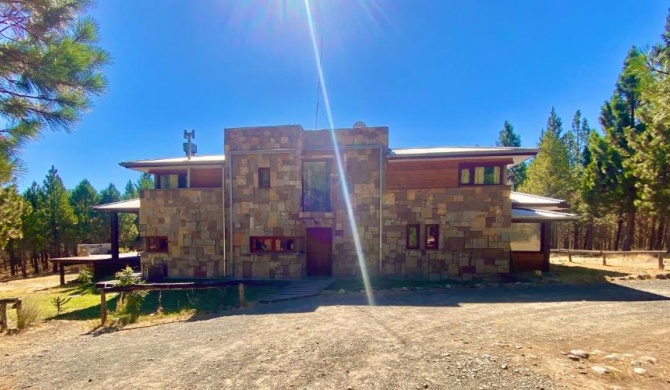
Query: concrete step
299,289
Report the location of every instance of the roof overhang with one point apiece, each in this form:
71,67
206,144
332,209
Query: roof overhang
518,155
532,215
124,206
210,161
529,201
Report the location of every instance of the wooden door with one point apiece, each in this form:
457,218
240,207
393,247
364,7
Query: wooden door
319,242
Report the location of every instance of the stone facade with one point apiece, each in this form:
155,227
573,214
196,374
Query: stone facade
474,225
474,221
192,221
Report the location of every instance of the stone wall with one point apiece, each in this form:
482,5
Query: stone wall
474,232
192,220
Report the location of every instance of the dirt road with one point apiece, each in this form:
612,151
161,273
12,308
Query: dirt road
508,336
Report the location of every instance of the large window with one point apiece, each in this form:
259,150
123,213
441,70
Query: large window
157,244
432,237
526,237
316,186
170,180
272,244
480,174
412,236
264,177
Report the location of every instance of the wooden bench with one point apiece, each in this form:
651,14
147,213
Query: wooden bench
16,302
604,254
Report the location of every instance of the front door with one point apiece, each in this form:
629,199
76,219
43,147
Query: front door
318,244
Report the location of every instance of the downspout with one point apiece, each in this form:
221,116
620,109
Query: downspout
223,216
230,204
381,209
188,177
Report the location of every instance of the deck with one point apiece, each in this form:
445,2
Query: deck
101,263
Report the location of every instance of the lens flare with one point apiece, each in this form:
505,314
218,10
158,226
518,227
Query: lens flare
340,169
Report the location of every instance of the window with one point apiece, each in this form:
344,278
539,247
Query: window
272,244
170,180
316,186
480,174
526,237
157,244
432,236
264,177
412,236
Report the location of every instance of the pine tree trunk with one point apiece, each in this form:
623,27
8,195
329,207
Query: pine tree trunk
651,236
630,230
617,236
660,233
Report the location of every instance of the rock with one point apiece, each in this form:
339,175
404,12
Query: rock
504,366
636,363
600,370
580,353
404,289
649,359
628,356
597,352
639,371
574,357
341,291
613,357
660,276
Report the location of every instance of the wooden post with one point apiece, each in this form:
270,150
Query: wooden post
243,301
3,317
569,256
661,266
61,270
604,257
103,307
114,229
19,308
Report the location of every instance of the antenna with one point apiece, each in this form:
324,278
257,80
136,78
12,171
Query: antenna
189,147
318,83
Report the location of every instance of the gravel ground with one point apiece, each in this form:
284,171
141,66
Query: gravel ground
500,337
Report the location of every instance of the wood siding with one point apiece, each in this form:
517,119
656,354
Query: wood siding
528,261
206,178
429,173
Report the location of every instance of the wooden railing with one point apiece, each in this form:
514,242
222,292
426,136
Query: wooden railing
168,287
604,254
3,311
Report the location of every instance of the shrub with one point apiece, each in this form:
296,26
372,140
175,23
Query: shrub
129,304
85,279
27,316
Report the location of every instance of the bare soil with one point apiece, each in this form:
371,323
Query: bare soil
509,336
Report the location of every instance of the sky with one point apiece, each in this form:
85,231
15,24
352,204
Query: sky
438,73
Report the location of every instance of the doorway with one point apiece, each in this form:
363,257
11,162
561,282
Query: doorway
319,242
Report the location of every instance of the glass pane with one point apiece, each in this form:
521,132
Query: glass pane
479,175
316,186
412,237
264,177
465,176
526,237
496,175
432,237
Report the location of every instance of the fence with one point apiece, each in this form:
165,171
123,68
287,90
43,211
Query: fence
604,254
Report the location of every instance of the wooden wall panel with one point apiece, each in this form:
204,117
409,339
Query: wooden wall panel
206,178
528,261
427,173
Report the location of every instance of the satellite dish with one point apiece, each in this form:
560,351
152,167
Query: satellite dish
359,125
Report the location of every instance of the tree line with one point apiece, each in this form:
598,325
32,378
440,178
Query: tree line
53,220
617,178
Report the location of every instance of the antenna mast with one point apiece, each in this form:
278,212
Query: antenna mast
318,83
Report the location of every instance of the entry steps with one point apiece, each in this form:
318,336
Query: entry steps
299,289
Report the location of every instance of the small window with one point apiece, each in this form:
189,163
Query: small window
272,244
432,236
264,177
157,244
166,181
474,174
412,236
526,237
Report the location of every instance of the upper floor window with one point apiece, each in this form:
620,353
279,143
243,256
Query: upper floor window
316,186
264,177
170,180
480,174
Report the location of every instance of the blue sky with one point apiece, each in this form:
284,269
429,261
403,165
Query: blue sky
436,72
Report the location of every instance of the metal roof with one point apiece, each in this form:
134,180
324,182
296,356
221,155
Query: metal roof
531,215
517,154
124,206
538,202
171,162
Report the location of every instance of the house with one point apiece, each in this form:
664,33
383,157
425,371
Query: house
275,207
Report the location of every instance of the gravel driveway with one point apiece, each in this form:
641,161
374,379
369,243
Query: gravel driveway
511,337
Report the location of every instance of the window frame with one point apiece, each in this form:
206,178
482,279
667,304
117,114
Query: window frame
182,178
470,167
541,237
261,173
159,247
436,245
328,167
275,244
418,236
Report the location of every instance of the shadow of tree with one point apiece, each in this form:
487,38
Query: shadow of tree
579,274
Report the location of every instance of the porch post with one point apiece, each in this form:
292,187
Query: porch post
114,229
546,245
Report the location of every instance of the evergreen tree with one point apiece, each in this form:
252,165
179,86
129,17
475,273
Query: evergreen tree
549,173
507,137
59,215
145,182
50,67
82,199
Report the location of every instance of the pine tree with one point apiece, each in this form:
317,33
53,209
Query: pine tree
82,199
59,215
507,137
